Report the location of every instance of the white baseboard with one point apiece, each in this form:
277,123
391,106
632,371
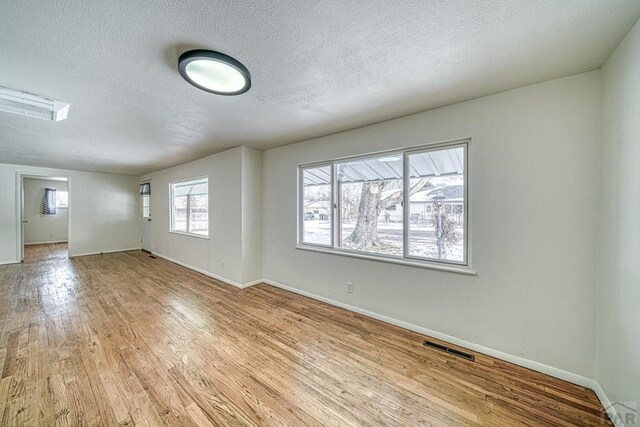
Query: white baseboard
104,252
9,262
615,418
253,283
530,364
47,242
209,274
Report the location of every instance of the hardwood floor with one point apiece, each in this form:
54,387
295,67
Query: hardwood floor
123,339
45,251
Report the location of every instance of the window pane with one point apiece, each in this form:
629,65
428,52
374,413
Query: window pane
370,197
62,199
194,187
190,206
199,214
436,226
316,205
180,213
145,206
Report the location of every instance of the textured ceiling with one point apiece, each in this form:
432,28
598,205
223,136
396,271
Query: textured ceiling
318,68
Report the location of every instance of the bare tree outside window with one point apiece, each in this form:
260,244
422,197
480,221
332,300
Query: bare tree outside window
376,222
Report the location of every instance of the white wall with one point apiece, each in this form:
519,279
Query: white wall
618,300
103,214
251,214
43,228
223,254
534,183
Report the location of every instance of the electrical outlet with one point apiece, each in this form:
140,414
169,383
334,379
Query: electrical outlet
50,234
349,287
222,265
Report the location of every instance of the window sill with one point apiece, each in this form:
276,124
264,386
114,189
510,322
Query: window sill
199,236
452,268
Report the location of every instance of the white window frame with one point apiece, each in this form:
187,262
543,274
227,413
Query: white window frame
301,170
172,184
405,259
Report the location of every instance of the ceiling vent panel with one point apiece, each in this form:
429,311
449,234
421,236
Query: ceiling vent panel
30,105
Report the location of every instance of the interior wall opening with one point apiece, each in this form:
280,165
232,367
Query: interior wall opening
44,217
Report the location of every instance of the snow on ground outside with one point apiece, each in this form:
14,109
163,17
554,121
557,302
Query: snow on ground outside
422,241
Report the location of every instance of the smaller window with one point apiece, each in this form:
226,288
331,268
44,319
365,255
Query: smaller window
62,199
190,207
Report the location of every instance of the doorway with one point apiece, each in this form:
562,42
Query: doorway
44,217
145,216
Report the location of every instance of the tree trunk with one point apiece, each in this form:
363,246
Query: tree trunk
365,234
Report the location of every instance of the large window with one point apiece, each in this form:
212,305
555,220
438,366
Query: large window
406,205
190,207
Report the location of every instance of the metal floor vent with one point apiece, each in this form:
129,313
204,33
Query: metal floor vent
152,256
453,351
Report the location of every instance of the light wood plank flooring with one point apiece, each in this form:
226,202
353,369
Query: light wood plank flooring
44,252
124,339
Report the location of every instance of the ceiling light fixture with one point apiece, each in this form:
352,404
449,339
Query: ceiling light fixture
214,72
30,105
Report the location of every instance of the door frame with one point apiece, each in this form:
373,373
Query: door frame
20,176
143,219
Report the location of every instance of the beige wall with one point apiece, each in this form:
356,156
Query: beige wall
232,251
618,301
251,214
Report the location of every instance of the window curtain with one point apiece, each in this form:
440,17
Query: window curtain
49,203
145,188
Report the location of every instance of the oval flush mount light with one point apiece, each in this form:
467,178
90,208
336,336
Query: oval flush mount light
214,72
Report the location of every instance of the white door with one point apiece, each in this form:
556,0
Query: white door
147,236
